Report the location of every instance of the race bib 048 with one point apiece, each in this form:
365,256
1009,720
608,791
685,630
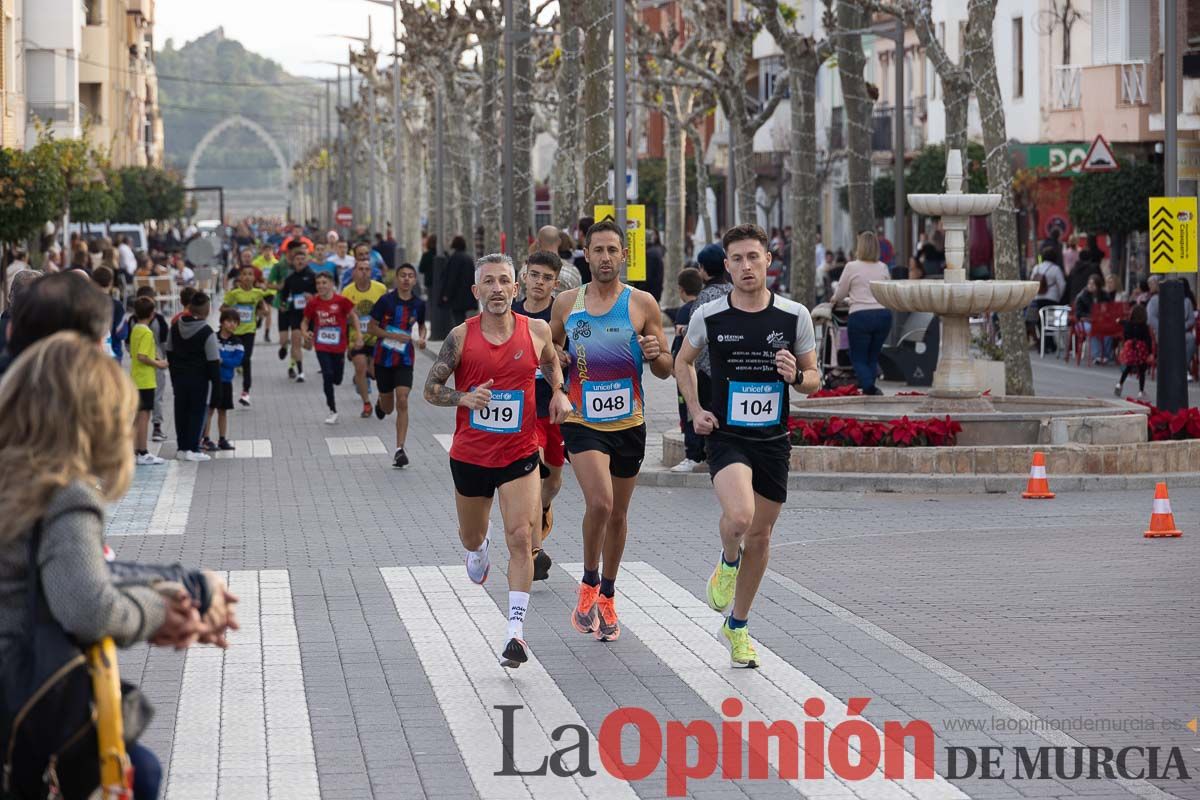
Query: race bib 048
754,405
503,414
607,401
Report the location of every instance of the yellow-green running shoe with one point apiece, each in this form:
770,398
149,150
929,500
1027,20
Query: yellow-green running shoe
721,585
742,654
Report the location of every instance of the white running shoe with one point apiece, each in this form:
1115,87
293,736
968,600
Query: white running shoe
181,455
197,457
331,419
150,460
478,563
245,399
687,465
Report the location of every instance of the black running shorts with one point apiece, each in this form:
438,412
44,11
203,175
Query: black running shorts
472,480
392,378
768,460
290,319
625,449
222,397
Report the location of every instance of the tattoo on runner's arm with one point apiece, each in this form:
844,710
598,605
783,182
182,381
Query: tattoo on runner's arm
551,368
436,391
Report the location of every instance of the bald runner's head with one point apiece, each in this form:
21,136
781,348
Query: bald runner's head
547,239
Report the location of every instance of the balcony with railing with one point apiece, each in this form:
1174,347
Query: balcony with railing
52,113
1105,99
882,135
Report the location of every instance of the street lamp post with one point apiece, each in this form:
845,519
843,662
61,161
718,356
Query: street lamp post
730,171
619,116
506,194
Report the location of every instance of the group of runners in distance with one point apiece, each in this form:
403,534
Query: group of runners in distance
550,377
375,328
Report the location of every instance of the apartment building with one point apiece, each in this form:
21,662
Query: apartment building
93,62
12,83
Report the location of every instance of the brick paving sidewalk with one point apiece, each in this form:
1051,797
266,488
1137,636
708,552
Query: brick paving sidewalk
367,665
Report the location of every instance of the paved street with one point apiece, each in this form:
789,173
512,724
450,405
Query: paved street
366,664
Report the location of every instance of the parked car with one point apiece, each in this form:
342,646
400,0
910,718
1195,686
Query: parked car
91,231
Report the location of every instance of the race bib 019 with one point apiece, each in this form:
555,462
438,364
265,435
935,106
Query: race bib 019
329,335
754,405
607,401
299,301
501,415
245,313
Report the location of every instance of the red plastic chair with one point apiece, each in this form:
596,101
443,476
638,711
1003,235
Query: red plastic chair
1106,323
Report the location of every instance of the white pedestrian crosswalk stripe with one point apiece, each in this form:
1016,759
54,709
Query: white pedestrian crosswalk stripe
355,445
241,726
445,440
246,448
457,630
681,630
171,506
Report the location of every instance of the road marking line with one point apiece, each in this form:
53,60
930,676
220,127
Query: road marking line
241,724
246,448
173,503
456,629
682,631
445,440
969,685
354,445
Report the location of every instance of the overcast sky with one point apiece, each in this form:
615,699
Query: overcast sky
290,32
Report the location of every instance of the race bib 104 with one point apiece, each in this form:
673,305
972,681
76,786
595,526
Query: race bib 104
754,405
607,401
503,414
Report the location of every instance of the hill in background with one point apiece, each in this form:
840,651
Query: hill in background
212,78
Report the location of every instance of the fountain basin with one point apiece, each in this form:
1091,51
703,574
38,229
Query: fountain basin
1014,421
954,205
961,299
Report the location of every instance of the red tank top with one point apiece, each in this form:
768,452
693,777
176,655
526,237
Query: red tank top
506,430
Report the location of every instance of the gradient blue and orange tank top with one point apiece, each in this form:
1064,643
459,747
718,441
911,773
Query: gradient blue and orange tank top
604,379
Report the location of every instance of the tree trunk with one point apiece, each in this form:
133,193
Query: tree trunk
805,192
747,176
489,145
702,213
522,141
597,113
675,146
957,99
1019,375
850,62
564,174
415,179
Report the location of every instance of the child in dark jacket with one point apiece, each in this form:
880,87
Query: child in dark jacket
1137,349
195,364
233,353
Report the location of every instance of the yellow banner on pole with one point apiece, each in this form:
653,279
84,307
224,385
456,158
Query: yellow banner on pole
1173,235
635,237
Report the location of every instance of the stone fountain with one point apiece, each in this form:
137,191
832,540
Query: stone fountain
955,299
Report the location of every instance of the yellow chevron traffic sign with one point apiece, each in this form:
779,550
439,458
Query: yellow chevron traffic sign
1173,235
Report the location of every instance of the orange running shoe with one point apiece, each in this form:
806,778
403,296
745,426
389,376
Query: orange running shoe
608,628
584,617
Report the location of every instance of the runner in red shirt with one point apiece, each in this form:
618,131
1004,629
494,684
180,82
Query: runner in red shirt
324,329
493,358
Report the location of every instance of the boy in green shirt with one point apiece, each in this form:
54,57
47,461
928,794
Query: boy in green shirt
143,360
248,302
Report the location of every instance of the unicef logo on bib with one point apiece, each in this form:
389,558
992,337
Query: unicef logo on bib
503,414
754,405
607,401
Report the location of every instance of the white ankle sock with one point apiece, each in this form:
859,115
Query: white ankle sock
518,604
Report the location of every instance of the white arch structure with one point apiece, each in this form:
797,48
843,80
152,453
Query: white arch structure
224,125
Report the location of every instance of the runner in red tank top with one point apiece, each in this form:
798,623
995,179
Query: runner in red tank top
493,358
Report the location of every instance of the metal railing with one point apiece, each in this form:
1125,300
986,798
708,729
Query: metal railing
52,112
1133,83
1067,92
882,139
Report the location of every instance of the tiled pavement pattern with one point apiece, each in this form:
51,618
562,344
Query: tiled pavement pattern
948,609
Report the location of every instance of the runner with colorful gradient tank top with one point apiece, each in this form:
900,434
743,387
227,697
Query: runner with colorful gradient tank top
608,331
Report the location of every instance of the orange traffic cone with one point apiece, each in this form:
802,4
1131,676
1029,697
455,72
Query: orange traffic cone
1162,521
1038,488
